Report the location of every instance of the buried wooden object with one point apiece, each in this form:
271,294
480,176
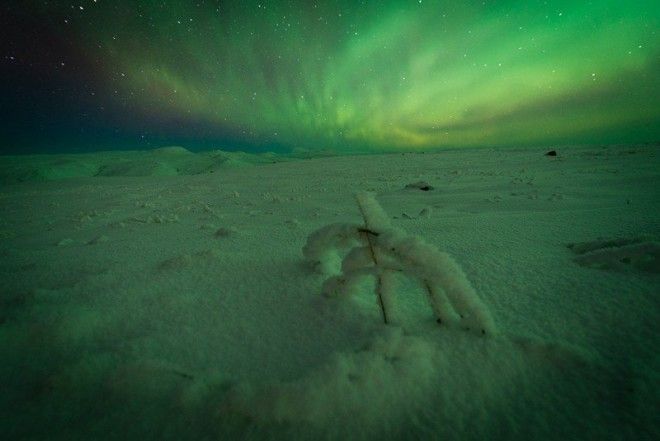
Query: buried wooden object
378,250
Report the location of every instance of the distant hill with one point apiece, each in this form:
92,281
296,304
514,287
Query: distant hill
165,161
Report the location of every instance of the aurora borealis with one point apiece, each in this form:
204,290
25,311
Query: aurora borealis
343,75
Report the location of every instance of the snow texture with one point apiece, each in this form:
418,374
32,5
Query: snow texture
162,296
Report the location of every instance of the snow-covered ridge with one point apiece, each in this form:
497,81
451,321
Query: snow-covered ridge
165,161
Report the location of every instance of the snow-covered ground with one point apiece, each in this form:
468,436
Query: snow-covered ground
168,297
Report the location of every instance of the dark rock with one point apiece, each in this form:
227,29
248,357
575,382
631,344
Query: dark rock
421,185
551,153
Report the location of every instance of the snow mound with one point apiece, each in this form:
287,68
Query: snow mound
165,161
172,150
44,168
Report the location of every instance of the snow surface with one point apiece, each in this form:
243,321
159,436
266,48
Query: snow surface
164,295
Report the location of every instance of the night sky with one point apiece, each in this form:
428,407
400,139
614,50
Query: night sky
328,75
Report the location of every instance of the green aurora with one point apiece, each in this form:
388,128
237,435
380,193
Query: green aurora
381,75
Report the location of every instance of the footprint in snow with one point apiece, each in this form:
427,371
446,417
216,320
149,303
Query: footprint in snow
640,253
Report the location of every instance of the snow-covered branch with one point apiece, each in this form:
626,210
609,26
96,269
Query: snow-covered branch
378,250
